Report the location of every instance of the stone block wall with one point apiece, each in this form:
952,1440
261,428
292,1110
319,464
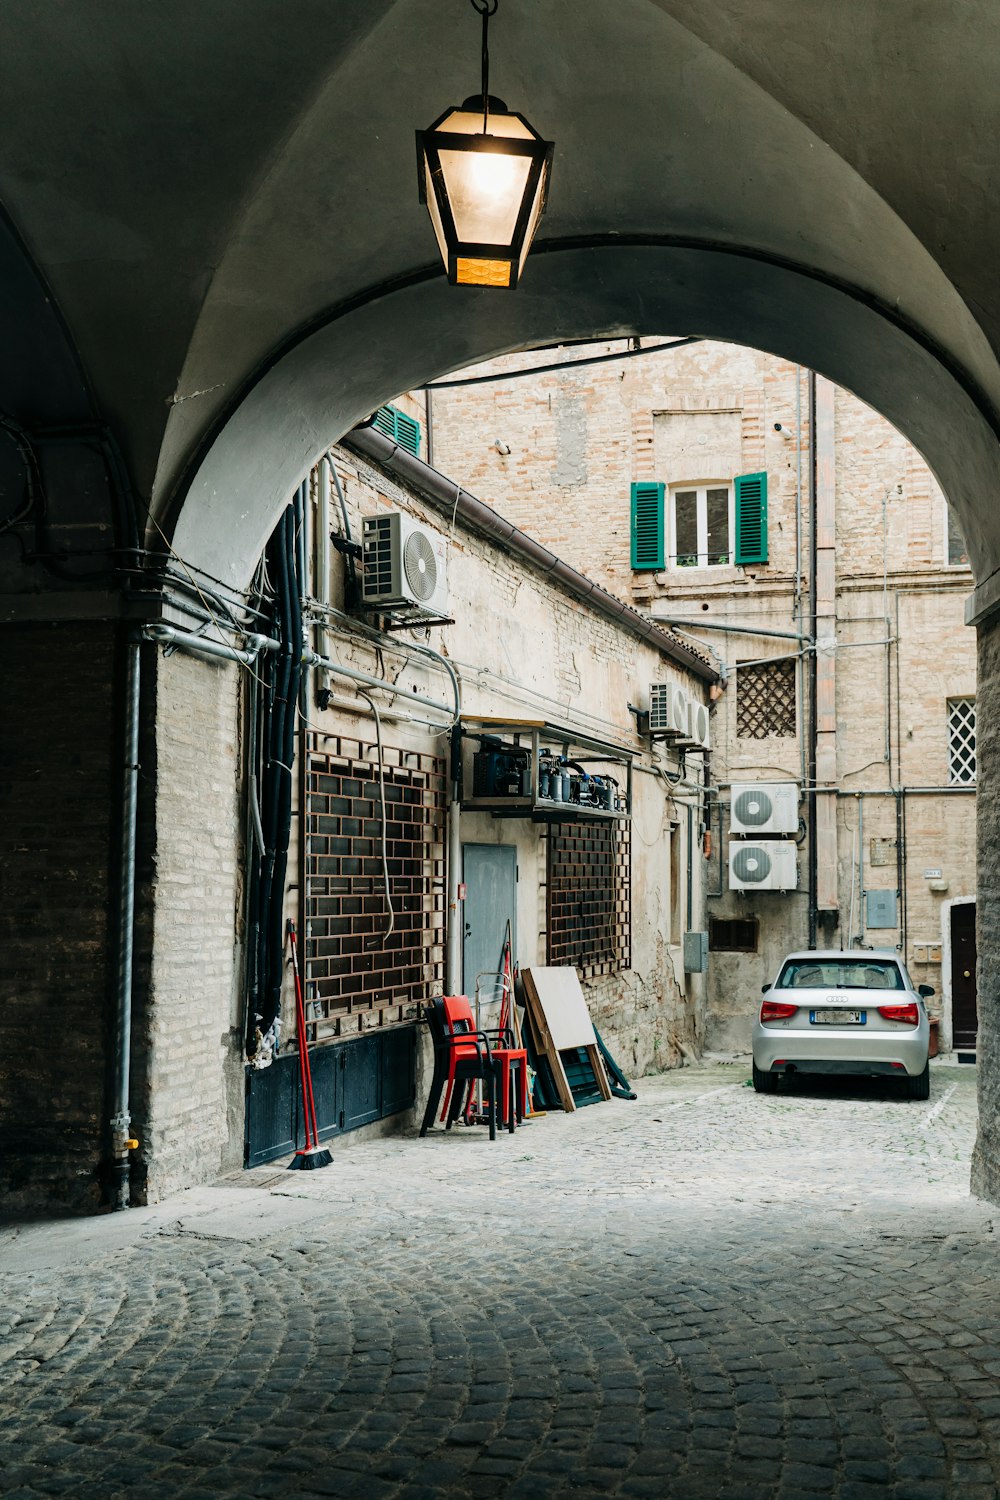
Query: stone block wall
188,1063
59,817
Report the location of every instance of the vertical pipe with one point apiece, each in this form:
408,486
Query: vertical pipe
690,866
121,1119
453,934
797,610
322,565
861,871
429,414
811,768
303,583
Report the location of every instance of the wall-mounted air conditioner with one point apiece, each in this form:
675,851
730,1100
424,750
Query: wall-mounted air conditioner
405,565
698,724
667,709
676,716
759,807
762,865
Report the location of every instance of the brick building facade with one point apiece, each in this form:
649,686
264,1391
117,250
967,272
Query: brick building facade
724,490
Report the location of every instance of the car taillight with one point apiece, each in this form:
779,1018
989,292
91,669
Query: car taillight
774,1010
907,1013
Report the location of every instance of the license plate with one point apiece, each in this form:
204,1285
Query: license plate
838,1017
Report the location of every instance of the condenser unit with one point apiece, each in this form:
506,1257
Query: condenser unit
698,724
764,807
762,865
405,565
668,710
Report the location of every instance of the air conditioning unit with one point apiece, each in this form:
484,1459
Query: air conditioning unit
764,807
698,724
405,565
762,865
668,710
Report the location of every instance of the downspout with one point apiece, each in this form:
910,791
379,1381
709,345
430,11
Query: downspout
429,414
811,766
121,1119
322,564
305,560
453,935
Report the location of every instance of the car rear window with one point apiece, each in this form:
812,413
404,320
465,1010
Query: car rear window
841,974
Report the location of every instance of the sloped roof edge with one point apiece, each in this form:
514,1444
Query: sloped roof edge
445,495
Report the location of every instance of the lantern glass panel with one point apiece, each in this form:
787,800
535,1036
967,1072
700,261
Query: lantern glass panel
485,190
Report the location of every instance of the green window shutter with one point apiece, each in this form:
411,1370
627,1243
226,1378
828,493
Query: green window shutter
751,518
407,433
647,526
398,426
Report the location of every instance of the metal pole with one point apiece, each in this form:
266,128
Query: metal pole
121,1119
456,911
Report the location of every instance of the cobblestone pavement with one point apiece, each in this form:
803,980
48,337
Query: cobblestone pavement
702,1293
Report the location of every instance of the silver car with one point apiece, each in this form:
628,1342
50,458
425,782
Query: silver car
843,1012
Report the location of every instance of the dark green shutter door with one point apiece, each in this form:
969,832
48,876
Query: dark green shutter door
407,433
751,518
398,426
647,526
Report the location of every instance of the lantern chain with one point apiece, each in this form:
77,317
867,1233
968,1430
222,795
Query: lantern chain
486,8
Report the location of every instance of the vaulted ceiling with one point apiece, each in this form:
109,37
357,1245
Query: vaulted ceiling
215,241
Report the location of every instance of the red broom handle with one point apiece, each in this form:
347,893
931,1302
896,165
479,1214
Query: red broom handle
308,1102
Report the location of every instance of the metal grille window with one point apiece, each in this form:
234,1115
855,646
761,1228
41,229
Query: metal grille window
765,700
961,741
732,934
356,976
590,897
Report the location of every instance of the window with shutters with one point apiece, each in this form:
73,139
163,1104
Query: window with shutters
765,700
397,425
962,741
751,519
701,525
647,526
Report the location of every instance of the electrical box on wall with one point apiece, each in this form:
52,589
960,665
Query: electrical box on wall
881,908
695,952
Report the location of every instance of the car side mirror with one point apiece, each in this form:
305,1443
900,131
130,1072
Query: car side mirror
926,990
764,988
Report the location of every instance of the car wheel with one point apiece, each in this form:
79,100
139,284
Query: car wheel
920,1087
765,1083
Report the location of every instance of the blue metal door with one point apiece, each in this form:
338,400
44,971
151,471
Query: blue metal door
490,874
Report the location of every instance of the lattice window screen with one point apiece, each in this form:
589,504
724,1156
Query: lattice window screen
765,700
961,741
356,977
589,897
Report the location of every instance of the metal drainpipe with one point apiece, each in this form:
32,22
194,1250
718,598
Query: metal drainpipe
322,566
811,770
121,1119
453,936
305,681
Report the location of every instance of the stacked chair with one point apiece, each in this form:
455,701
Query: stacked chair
464,1057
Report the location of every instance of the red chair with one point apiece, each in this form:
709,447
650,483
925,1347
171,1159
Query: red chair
511,1061
460,1059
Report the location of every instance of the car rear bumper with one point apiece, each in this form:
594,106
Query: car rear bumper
832,1051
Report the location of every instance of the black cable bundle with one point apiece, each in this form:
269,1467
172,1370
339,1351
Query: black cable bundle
278,704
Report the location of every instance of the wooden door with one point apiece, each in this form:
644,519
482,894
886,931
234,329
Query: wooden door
964,1017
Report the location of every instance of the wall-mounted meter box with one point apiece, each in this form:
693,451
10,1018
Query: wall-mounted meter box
695,952
881,908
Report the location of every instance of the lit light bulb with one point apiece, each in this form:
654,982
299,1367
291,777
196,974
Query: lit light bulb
493,175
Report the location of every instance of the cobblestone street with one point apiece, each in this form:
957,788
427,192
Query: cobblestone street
703,1293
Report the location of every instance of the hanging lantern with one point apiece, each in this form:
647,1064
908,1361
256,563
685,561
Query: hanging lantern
484,175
